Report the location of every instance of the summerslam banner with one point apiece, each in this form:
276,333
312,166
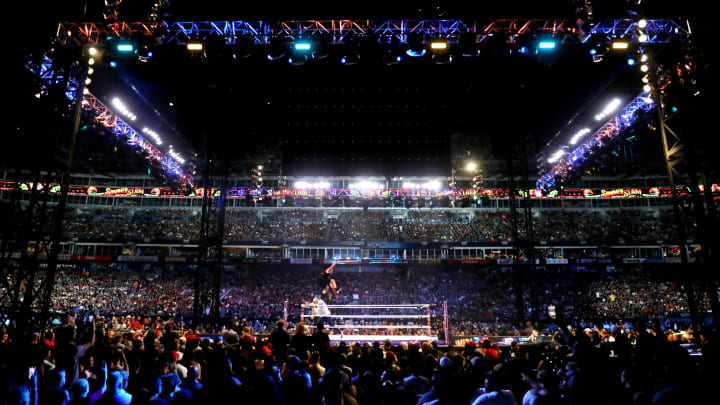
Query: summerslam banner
255,193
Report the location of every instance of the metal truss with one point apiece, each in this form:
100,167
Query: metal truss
610,130
262,32
658,31
49,74
209,270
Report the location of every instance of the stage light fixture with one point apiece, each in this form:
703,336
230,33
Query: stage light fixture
195,46
647,88
609,108
125,47
91,61
438,45
631,61
642,38
644,58
350,60
579,135
644,68
620,45
302,46
92,51
113,64
415,53
642,23
546,45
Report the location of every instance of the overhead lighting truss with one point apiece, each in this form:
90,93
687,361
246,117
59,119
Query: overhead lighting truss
262,32
104,115
566,163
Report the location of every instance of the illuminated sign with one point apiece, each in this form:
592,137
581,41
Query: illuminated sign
124,192
621,193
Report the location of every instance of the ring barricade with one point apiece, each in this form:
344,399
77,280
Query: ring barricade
369,323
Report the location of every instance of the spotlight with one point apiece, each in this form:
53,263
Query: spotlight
350,59
644,68
644,58
92,51
646,79
195,46
125,47
546,45
642,23
631,61
647,88
438,45
620,45
302,46
642,38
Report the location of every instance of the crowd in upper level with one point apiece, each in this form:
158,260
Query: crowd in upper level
318,225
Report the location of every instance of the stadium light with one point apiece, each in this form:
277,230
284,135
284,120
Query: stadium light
432,185
154,135
556,156
365,185
120,106
579,135
612,106
307,185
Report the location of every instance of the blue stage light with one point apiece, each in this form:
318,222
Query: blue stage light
593,52
125,47
343,60
113,64
302,46
631,61
546,45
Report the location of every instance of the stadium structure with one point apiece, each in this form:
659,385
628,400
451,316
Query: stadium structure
220,150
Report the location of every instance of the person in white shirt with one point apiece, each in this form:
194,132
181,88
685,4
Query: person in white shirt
320,310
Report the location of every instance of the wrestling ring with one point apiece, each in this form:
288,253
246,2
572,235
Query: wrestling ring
371,323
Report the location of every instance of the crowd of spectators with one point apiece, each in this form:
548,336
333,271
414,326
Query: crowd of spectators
579,225
479,301
372,226
319,225
89,361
